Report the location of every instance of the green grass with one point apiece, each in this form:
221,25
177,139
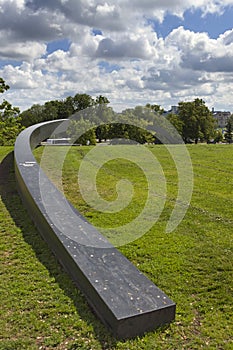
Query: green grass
42,309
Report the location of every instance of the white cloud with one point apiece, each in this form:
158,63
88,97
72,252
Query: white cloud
148,68
200,53
27,51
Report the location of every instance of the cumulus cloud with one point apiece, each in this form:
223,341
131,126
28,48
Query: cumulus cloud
117,34
22,50
200,53
127,48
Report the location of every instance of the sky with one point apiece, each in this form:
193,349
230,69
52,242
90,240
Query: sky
133,52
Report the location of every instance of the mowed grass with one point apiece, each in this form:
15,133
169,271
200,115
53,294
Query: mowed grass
42,309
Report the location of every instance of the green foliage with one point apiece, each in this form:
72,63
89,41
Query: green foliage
218,137
175,120
3,86
56,109
82,101
6,109
101,100
194,120
229,130
10,123
32,116
156,108
82,132
131,124
197,119
9,130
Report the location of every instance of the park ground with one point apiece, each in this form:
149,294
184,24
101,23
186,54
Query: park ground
42,309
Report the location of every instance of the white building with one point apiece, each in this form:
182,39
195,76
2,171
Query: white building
221,118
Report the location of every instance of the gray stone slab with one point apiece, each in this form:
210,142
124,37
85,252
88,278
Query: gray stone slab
126,301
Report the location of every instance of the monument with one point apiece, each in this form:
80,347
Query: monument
126,301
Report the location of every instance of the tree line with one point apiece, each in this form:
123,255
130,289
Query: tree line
95,120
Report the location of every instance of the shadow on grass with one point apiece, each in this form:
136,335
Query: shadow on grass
12,201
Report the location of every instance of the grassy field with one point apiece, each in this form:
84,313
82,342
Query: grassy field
42,309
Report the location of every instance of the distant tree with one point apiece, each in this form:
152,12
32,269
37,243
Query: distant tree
51,110
229,130
156,108
118,131
6,109
3,86
60,109
102,132
32,115
9,130
82,101
218,137
197,119
64,108
82,132
101,100
175,120
133,125
10,123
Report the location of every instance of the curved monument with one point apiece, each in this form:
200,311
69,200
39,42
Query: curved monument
124,299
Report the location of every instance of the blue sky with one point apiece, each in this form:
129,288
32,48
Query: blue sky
213,24
132,52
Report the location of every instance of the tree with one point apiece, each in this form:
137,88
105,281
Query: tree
82,132
82,101
32,115
102,132
10,123
156,108
218,137
101,100
176,122
3,86
229,130
9,130
198,122
6,109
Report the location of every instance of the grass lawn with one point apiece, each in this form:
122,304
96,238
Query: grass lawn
42,309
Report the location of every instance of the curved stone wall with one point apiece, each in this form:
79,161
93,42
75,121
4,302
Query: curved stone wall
126,301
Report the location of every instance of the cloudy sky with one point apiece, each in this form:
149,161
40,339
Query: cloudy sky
132,51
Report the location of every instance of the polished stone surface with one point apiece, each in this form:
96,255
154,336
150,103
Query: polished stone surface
122,297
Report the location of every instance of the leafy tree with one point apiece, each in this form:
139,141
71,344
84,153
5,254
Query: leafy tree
82,132
101,100
218,137
50,110
118,131
9,130
65,108
60,109
6,109
32,115
229,130
3,86
197,119
82,101
10,123
156,108
102,132
175,120
133,124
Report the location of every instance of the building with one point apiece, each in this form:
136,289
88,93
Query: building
221,118
173,110
62,142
